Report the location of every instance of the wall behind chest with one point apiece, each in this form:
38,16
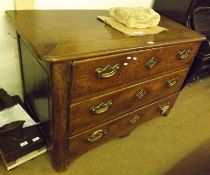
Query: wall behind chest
90,4
9,62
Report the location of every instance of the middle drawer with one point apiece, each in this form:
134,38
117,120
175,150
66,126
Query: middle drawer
97,110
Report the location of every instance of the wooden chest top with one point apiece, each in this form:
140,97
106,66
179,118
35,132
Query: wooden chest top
60,35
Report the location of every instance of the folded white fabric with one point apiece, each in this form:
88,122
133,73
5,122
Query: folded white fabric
135,17
130,31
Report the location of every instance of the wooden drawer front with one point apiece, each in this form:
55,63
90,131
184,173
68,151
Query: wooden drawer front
94,111
120,70
119,127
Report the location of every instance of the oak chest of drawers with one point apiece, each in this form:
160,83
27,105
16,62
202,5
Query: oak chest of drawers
89,83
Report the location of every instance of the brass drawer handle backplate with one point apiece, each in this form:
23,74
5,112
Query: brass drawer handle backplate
135,119
151,63
141,94
184,53
97,135
101,108
172,82
108,71
164,108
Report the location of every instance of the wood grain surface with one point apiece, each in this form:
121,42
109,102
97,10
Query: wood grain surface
58,35
121,126
134,69
123,100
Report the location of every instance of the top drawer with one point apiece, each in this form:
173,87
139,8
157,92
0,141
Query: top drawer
102,73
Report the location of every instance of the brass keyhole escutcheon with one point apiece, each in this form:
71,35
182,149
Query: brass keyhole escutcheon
151,63
172,82
135,119
141,94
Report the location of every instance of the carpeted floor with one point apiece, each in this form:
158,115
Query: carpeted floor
176,145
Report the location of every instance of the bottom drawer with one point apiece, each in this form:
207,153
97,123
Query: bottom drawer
121,126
